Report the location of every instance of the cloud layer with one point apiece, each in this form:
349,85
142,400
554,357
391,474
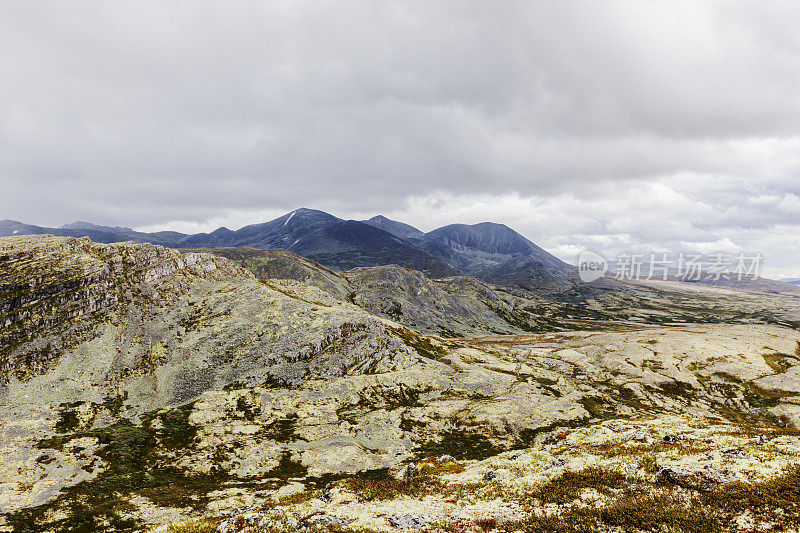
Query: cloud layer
658,125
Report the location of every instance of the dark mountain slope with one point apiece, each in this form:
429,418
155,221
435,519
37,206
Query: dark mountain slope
100,234
80,224
528,272
350,244
496,253
404,231
487,237
279,233
334,243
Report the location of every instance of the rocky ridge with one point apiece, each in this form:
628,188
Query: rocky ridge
132,308
465,306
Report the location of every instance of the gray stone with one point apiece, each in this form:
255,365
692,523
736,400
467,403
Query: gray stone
326,496
669,473
719,476
736,454
320,519
407,522
410,472
639,436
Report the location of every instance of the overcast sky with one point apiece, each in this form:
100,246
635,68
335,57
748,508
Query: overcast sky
611,125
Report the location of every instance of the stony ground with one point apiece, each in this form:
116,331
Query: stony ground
142,388
471,400
682,473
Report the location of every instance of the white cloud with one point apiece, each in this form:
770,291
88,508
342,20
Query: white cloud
229,218
625,124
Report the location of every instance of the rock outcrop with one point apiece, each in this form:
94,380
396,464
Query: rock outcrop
162,326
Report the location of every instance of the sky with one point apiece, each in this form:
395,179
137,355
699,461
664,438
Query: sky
616,126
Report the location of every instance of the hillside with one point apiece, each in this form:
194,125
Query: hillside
142,386
118,312
465,306
405,296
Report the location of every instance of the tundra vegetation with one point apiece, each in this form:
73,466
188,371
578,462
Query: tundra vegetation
145,389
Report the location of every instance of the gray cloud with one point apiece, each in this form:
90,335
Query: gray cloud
188,114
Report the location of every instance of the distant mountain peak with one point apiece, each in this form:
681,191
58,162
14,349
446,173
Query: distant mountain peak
398,229
495,252
81,224
78,224
221,231
305,211
489,237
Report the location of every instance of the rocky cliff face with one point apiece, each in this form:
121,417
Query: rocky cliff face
54,292
431,306
164,326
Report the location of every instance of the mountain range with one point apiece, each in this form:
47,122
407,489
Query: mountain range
487,251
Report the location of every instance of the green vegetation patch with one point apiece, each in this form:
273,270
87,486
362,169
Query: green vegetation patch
68,419
597,407
288,468
139,460
379,485
464,444
422,344
635,505
282,429
206,525
569,486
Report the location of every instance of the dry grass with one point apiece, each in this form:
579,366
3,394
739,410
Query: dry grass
383,487
632,505
204,525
